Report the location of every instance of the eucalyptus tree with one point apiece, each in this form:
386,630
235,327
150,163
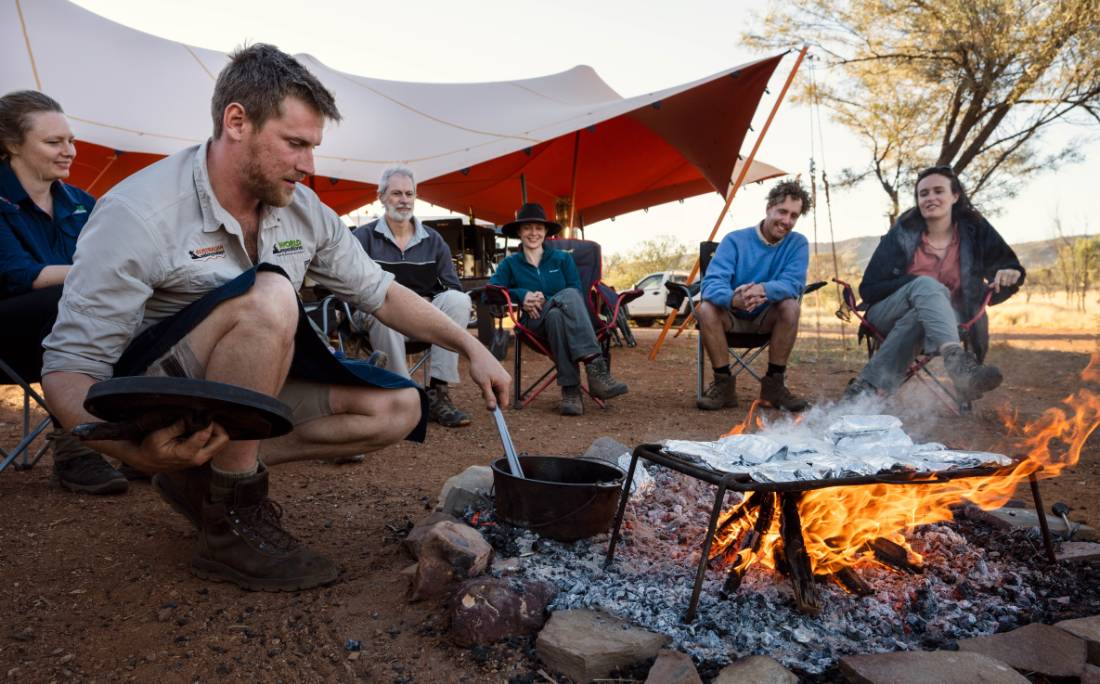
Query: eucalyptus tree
975,84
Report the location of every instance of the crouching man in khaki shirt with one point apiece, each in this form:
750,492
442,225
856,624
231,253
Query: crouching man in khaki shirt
191,268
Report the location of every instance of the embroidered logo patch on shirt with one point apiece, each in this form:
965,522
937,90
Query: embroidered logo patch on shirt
80,209
287,247
208,252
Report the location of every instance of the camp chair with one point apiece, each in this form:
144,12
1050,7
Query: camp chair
22,455
604,309
743,347
331,317
919,368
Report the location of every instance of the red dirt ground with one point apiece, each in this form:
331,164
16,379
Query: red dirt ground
98,588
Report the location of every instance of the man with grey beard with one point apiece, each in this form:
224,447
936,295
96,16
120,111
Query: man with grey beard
419,259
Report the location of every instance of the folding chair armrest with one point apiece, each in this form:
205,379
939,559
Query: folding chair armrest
814,287
965,327
621,298
678,292
848,293
630,295
497,295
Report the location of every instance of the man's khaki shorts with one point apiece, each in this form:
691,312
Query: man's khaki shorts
307,400
763,323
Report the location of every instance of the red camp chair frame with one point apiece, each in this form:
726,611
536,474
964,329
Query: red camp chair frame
875,338
525,336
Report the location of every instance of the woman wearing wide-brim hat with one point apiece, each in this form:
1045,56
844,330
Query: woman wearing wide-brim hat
546,283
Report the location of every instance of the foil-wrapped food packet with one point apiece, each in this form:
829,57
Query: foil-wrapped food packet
858,445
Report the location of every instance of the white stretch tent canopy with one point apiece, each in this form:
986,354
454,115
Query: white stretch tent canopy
134,97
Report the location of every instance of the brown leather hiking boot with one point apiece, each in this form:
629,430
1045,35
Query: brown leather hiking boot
443,411
970,378
81,469
242,541
571,402
773,391
184,491
720,393
600,381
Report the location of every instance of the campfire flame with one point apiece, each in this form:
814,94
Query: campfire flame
843,525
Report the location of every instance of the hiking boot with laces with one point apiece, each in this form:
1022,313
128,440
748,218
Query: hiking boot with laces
242,540
721,393
442,410
80,469
600,382
185,491
571,402
971,378
773,391
858,388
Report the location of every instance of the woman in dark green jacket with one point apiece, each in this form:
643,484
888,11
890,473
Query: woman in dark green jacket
545,283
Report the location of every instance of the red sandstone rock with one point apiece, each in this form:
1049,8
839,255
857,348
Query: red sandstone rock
486,610
673,667
923,667
449,553
416,534
586,644
1036,647
756,670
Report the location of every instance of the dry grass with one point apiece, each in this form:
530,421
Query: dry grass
1046,312
1041,313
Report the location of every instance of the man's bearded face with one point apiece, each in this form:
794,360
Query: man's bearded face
399,198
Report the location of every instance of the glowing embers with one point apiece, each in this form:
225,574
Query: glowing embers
812,530
845,526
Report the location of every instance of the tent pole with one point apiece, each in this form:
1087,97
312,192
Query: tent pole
573,183
523,188
687,321
733,191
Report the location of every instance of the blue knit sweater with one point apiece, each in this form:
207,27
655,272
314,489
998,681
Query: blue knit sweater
744,257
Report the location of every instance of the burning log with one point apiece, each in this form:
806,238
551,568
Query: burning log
750,542
893,555
750,502
850,581
798,561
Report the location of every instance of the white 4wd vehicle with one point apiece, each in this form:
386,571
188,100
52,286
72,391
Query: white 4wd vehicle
650,306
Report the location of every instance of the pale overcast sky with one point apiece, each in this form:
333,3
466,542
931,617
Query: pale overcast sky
635,46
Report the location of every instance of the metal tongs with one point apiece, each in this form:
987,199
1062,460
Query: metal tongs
506,440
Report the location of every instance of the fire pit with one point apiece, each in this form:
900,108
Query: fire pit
768,500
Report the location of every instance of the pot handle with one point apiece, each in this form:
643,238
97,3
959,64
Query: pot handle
557,520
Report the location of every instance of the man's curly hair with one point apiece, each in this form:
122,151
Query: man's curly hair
790,188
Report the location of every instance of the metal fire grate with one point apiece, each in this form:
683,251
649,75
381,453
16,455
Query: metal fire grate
785,501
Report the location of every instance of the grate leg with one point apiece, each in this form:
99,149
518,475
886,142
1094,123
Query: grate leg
700,574
1048,543
623,498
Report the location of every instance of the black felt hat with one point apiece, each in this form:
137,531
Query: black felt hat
532,212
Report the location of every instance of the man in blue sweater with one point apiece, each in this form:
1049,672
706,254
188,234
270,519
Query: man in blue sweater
753,285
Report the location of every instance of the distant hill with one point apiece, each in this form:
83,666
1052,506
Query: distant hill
1033,255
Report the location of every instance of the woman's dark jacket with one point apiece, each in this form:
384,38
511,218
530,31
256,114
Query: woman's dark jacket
982,252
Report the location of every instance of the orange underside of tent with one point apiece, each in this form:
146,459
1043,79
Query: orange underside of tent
97,168
680,147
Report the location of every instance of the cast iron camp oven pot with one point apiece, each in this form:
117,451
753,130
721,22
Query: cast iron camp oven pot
561,498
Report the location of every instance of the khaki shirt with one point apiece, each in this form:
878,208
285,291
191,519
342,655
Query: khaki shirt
159,240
